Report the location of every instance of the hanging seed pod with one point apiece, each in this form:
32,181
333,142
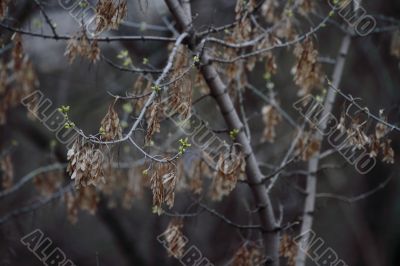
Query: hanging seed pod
110,14
110,128
248,254
7,171
395,44
271,119
174,238
307,71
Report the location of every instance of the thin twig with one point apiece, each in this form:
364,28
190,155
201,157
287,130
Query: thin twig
47,18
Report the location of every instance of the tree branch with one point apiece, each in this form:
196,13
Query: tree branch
313,164
220,93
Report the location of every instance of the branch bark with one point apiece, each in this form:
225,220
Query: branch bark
220,93
313,164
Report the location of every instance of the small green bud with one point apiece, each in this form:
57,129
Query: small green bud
157,210
233,133
143,26
127,107
64,109
196,59
123,54
83,4
267,76
184,144
156,88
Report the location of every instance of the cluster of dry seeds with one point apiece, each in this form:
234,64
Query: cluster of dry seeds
248,254
307,72
7,172
110,14
85,164
229,169
17,79
80,45
174,238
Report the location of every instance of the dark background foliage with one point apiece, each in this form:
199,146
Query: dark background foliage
363,233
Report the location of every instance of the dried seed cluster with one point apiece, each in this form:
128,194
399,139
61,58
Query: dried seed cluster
85,198
110,14
395,44
153,121
271,118
80,45
17,79
134,188
110,128
229,169
288,249
85,164
307,146
306,6
48,183
163,183
119,191
198,172
7,172
3,8
141,86
307,72
176,242
180,91
243,29
18,52
269,9
377,143
248,254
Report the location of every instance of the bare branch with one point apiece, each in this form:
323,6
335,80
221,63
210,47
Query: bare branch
99,39
37,205
47,18
254,175
313,164
354,199
24,180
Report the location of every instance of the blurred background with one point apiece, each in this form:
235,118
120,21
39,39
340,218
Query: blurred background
366,232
